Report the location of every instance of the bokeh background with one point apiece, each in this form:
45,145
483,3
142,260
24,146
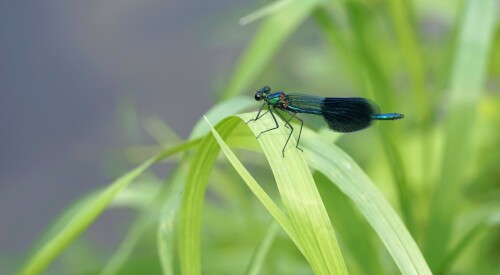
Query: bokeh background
87,89
71,71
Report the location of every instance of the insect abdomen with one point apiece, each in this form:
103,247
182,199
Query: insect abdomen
390,116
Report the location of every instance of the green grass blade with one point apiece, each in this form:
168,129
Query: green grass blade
133,235
255,266
273,31
265,11
165,230
145,220
470,226
401,182
455,252
169,195
365,54
266,201
350,179
159,130
361,61
408,43
339,44
314,234
192,202
137,196
300,197
165,239
467,80
223,109
55,246
351,227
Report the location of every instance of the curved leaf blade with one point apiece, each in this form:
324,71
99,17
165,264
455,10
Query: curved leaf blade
341,169
90,211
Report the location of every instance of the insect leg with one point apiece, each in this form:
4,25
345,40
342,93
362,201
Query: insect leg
275,121
287,122
300,132
258,113
291,130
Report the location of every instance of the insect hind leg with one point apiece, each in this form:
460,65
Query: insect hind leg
300,131
287,123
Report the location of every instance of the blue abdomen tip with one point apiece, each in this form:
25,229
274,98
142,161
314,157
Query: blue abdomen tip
391,116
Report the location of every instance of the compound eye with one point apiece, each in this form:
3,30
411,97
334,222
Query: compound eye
258,97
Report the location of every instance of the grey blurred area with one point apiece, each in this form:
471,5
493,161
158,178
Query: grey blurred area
65,65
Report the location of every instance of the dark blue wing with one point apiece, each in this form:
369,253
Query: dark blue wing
348,114
340,114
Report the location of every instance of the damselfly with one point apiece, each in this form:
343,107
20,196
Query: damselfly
340,114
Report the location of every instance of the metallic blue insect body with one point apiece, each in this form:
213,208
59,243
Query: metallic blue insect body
340,114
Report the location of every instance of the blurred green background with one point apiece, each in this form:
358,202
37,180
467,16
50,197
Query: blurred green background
439,167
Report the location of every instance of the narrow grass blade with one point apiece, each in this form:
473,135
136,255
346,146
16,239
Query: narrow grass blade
145,220
401,182
159,130
266,201
339,44
467,80
300,197
133,235
350,179
360,58
168,197
192,202
265,11
273,31
85,216
193,196
255,266
455,252
170,209
366,55
165,240
136,197
470,226
220,111
408,43
406,30
352,228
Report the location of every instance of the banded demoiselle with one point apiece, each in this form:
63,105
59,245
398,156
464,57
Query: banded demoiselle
339,114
